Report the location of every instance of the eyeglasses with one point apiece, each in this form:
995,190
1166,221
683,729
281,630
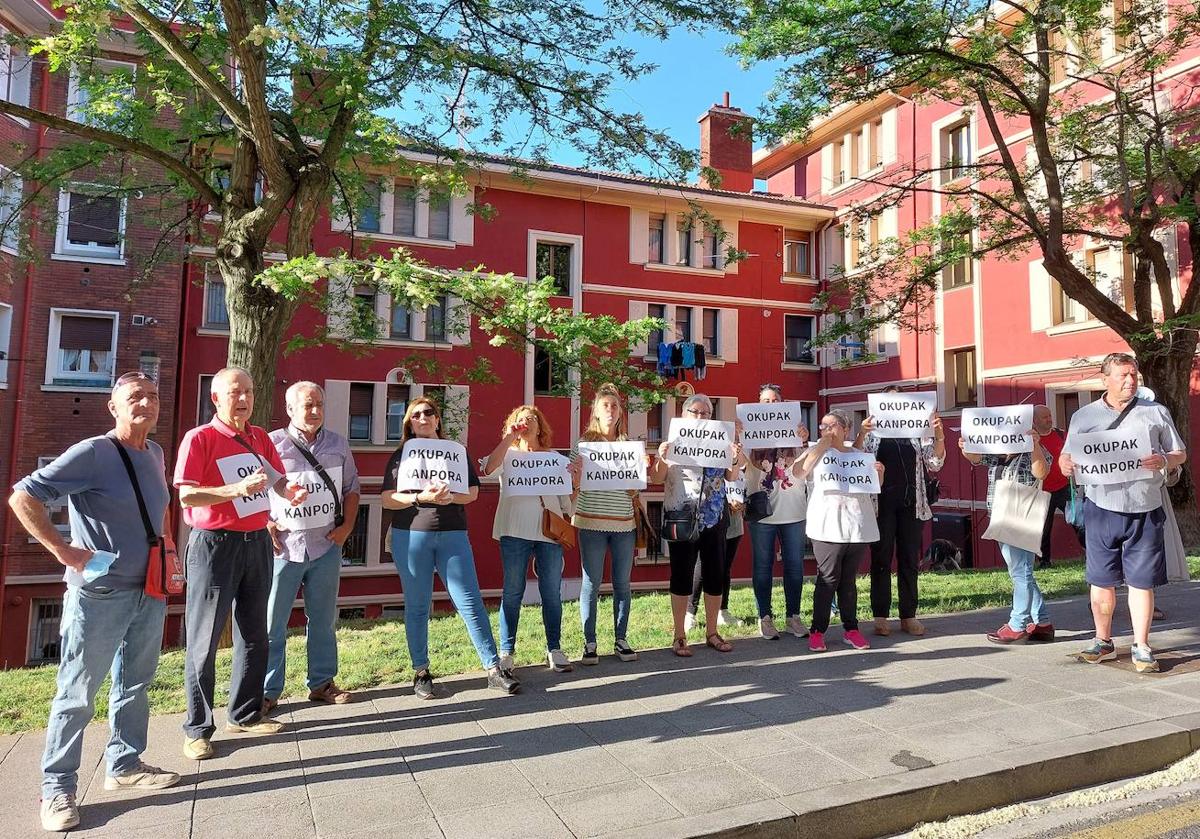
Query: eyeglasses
424,412
696,413
829,426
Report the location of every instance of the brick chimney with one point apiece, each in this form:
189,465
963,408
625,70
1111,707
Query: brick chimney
729,153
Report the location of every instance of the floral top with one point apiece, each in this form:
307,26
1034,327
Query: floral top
687,485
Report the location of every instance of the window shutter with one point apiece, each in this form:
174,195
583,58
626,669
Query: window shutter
78,332
462,223
361,400
404,210
637,311
439,217
887,140
458,406
1040,314
639,236
20,74
94,218
826,168
337,405
727,340
889,334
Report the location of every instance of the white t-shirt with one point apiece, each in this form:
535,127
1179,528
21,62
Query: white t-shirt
842,518
789,494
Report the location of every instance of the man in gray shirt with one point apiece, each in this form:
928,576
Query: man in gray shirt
308,543
108,622
1124,521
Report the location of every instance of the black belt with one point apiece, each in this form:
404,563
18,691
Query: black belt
244,535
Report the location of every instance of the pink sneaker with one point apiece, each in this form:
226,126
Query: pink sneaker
855,639
816,642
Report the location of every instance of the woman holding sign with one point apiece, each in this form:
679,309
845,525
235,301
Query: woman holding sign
429,533
694,512
519,529
840,525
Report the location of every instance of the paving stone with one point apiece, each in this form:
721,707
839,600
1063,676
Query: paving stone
294,820
597,811
800,769
401,812
699,825
453,790
531,818
708,788
120,830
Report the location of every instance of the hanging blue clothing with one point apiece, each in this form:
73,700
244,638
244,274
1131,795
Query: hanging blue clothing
688,351
664,359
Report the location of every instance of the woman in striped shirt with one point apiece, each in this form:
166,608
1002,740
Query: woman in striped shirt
606,526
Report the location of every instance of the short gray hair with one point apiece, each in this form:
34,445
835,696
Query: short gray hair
295,388
1115,358
697,398
841,416
225,372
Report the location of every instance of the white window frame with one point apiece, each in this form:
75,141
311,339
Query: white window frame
34,603
337,407
14,83
76,94
461,230
88,253
844,355
549,237
789,364
210,270
943,146
727,329
70,379
6,315
13,188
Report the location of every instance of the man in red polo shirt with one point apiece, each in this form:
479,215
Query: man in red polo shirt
224,472
1055,483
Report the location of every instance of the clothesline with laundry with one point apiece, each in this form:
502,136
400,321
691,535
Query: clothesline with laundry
677,357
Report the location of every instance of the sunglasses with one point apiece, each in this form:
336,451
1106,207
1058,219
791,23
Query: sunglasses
424,412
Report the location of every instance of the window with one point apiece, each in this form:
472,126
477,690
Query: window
683,323
400,321
404,214
12,190
655,310
796,250
657,244
798,336
90,225
216,315
82,347
960,374
654,424
57,510
1064,309
711,248
554,260
16,70
851,348
5,334
362,403
1057,56
684,235
838,176
435,321
711,327
958,273
44,635
875,144
367,217
354,552
1066,404
439,217
956,151
112,79
397,403
654,547
858,164
549,376
1111,270
205,409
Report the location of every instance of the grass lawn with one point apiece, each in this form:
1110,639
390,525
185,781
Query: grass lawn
373,653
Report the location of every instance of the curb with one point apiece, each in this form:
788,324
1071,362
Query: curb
895,804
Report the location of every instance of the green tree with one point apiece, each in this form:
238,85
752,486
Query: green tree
267,113
1091,137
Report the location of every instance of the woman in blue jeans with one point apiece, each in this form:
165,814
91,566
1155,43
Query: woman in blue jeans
518,528
606,526
777,473
1028,620
429,533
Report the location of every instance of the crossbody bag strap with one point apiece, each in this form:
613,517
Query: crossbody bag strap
320,470
151,536
1124,413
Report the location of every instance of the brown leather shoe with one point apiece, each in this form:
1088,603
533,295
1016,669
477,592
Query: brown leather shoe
912,626
330,694
882,627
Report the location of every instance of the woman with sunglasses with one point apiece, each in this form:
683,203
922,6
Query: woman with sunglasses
518,528
841,526
429,533
701,490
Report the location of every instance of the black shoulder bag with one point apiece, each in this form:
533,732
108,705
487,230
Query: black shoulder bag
338,518
683,525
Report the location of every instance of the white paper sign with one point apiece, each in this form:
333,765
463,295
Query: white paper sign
701,443
613,465
424,463
318,509
852,472
902,414
997,430
238,467
536,473
770,425
1110,457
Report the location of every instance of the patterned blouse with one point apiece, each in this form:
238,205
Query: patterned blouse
926,461
686,485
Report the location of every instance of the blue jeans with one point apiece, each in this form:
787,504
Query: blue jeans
1028,606
103,630
320,577
593,544
417,554
548,565
762,543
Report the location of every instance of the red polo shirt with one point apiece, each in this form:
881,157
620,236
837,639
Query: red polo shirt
1053,444
211,456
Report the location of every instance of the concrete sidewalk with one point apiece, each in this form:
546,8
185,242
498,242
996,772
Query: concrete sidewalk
769,740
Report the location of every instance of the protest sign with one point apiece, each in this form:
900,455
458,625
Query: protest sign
846,472
770,425
536,473
424,463
613,465
319,507
701,443
997,430
1110,457
238,467
902,414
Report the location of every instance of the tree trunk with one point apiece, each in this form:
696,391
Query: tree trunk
1169,375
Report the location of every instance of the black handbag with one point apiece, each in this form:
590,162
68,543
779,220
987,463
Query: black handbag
758,506
683,525
933,490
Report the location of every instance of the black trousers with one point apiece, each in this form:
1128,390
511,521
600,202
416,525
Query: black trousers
837,574
709,549
226,571
731,546
1059,499
899,534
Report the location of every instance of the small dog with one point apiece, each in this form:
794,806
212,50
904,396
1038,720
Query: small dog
943,555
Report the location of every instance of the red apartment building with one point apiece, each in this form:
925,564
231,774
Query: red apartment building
1005,332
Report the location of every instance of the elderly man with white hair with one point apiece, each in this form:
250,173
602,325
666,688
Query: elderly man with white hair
308,543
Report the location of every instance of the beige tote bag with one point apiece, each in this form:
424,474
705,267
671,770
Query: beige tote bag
1018,513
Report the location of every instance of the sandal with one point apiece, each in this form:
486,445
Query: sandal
680,647
718,643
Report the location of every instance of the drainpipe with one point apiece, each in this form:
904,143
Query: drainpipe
820,238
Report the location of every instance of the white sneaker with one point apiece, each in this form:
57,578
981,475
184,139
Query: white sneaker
726,619
143,776
689,622
506,662
795,625
559,662
766,628
60,813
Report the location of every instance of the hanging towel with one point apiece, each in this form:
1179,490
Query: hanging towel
687,355
664,359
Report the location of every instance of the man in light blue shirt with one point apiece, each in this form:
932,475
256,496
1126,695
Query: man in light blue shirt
109,623
308,543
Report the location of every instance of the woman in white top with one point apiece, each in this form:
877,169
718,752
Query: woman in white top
518,527
841,525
